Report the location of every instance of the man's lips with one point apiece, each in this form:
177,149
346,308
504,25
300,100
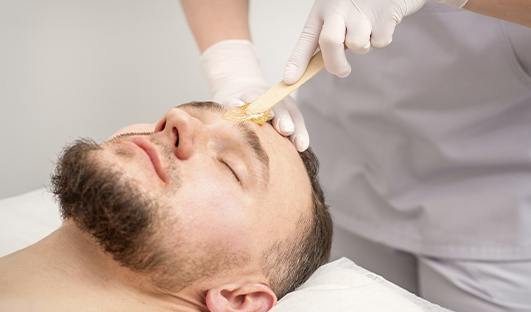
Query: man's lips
152,152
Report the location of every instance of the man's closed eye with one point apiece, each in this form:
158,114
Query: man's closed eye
232,172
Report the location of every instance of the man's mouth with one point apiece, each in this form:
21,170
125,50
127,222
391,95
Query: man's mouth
152,152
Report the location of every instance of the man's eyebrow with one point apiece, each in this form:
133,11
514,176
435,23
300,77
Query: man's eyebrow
248,134
252,140
208,106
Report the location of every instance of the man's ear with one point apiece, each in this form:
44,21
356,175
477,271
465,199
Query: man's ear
248,298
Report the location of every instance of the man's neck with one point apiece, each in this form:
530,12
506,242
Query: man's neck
68,269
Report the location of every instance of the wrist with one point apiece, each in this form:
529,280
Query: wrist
454,3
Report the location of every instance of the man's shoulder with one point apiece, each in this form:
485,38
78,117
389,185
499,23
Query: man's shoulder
21,288
15,305
13,296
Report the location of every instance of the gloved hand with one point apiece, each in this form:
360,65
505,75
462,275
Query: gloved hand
234,77
358,24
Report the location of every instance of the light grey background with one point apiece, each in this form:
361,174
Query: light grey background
71,69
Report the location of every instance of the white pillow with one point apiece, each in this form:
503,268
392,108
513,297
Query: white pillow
26,219
343,286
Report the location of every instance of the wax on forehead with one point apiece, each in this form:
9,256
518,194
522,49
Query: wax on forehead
240,114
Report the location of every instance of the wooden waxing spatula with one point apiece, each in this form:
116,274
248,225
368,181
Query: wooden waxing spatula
258,110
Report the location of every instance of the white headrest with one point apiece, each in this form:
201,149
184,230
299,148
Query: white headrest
343,286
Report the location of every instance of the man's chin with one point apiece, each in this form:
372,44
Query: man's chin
100,200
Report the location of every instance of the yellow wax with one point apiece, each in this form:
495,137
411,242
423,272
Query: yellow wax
240,114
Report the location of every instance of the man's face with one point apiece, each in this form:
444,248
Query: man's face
221,188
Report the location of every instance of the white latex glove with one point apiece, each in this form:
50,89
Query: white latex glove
358,24
234,77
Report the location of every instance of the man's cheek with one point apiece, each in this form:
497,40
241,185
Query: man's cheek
209,212
224,214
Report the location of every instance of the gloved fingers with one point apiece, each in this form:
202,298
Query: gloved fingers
331,42
299,137
289,121
382,35
358,37
304,50
282,121
271,114
238,101
251,95
231,103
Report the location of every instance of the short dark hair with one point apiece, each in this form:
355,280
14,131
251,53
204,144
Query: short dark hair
288,264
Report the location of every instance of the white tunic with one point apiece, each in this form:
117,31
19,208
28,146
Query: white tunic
426,146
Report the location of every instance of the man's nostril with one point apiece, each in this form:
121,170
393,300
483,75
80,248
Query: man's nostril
161,126
176,137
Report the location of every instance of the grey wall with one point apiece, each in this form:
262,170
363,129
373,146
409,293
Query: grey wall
72,69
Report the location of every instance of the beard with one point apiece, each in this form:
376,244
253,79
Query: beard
124,220
127,223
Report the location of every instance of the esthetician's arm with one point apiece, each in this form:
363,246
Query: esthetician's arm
212,21
515,11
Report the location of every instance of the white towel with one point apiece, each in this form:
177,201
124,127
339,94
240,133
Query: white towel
26,219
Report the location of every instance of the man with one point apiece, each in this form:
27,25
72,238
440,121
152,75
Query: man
193,213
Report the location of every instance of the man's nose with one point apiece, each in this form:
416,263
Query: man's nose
180,131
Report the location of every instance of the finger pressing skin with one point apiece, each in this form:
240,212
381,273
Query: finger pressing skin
282,121
299,136
300,140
